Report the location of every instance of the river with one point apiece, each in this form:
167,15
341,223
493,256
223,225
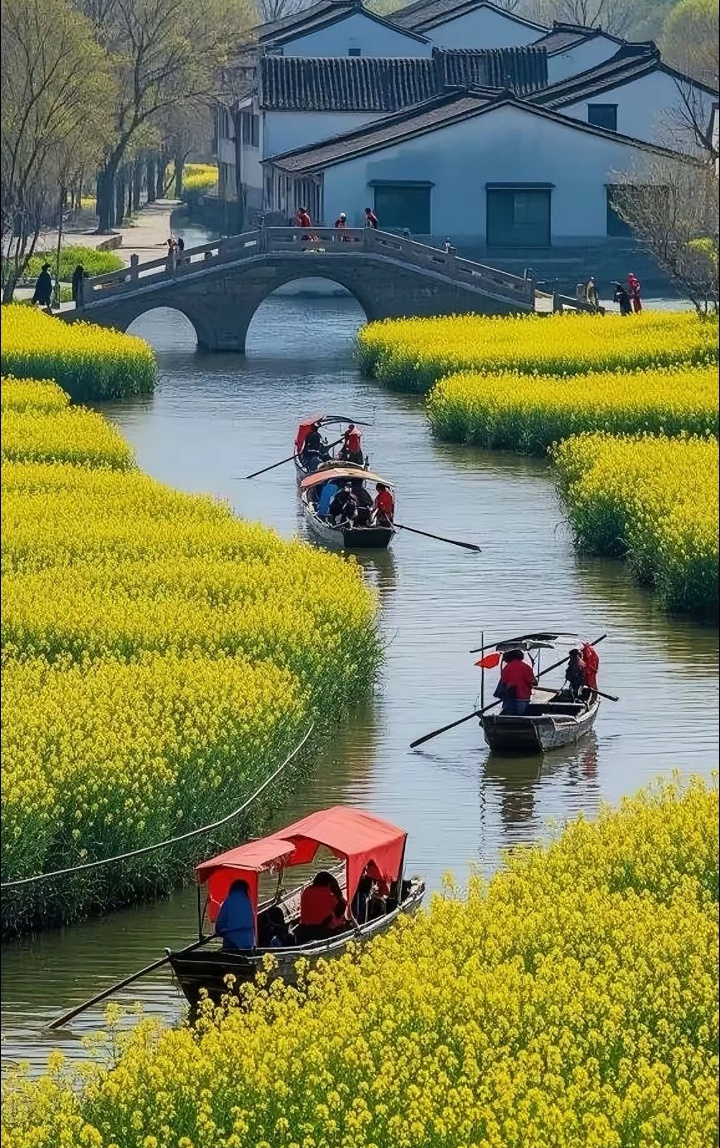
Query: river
214,418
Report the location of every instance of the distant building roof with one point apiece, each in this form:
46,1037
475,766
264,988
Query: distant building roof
630,62
321,15
423,15
562,37
382,84
443,111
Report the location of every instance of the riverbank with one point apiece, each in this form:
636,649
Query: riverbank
572,1001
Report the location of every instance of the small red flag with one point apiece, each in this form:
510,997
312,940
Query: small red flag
490,660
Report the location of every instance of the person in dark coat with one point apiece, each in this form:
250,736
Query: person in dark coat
77,277
622,298
43,288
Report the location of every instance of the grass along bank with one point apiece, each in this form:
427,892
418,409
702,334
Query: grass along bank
653,500
507,411
87,361
95,262
160,658
413,354
572,1002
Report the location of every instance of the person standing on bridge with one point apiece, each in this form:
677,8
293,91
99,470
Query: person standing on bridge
371,219
340,225
304,220
77,285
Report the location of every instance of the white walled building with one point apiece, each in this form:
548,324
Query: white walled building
496,172
467,24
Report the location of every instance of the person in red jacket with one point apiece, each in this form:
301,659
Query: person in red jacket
371,219
352,450
634,291
383,506
516,681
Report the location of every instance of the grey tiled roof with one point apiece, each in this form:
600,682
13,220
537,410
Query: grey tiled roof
381,84
561,37
630,63
320,15
425,14
412,122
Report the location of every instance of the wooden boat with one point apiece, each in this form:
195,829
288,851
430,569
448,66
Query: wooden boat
554,718
362,840
347,536
549,723
301,470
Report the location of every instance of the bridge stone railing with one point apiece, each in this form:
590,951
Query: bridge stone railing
328,241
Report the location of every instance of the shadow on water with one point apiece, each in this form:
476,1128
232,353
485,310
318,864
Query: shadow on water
215,417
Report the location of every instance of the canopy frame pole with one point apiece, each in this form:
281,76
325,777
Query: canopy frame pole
278,887
482,674
200,913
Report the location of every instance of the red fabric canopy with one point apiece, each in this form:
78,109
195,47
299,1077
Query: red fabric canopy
357,836
304,430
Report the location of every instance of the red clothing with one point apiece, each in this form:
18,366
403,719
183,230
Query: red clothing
304,219
371,219
634,288
341,223
591,664
317,903
520,676
353,441
384,503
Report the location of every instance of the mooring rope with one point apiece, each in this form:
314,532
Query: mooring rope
171,840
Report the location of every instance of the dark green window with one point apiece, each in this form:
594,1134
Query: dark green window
403,205
518,217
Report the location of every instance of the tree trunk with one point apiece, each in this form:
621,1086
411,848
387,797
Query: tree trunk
179,169
151,179
105,195
161,176
129,191
137,178
120,197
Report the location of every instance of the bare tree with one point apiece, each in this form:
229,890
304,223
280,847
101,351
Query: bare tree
671,206
687,126
56,97
165,54
271,10
613,16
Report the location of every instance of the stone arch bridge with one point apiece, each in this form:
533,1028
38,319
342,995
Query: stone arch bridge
219,286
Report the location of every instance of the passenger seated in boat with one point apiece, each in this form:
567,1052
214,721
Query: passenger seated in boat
322,909
343,507
236,920
575,676
328,490
516,683
273,932
370,900
383,506
314,449
364,502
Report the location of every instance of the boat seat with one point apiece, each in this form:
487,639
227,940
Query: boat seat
572,709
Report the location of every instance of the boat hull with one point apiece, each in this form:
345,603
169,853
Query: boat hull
204,971
553,728
346,537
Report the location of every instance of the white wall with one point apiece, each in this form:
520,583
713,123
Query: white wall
650,109
286,130
587,54
504,146
356,31
482,28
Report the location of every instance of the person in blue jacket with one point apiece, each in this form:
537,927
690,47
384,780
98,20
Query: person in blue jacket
327,494
236,921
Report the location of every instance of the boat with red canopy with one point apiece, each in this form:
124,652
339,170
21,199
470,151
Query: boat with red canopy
305,465
370,877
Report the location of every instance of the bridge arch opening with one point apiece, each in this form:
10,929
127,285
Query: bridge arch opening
308,318
166,329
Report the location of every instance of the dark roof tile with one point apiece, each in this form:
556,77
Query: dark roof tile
425,14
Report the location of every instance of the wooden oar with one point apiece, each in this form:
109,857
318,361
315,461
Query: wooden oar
68,1016
289,458
438,537
492,705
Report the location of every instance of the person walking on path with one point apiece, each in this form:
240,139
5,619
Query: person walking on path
591,295
43,288
634,289
78,276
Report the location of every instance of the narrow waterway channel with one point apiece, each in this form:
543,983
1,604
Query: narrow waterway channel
214,418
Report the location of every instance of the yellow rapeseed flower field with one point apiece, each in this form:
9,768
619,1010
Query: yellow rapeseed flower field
412,354
31,394
654,499
571,1003
88,361
508,411
160,657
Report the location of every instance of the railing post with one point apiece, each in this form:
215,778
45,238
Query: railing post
80,297
134,262
263,244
